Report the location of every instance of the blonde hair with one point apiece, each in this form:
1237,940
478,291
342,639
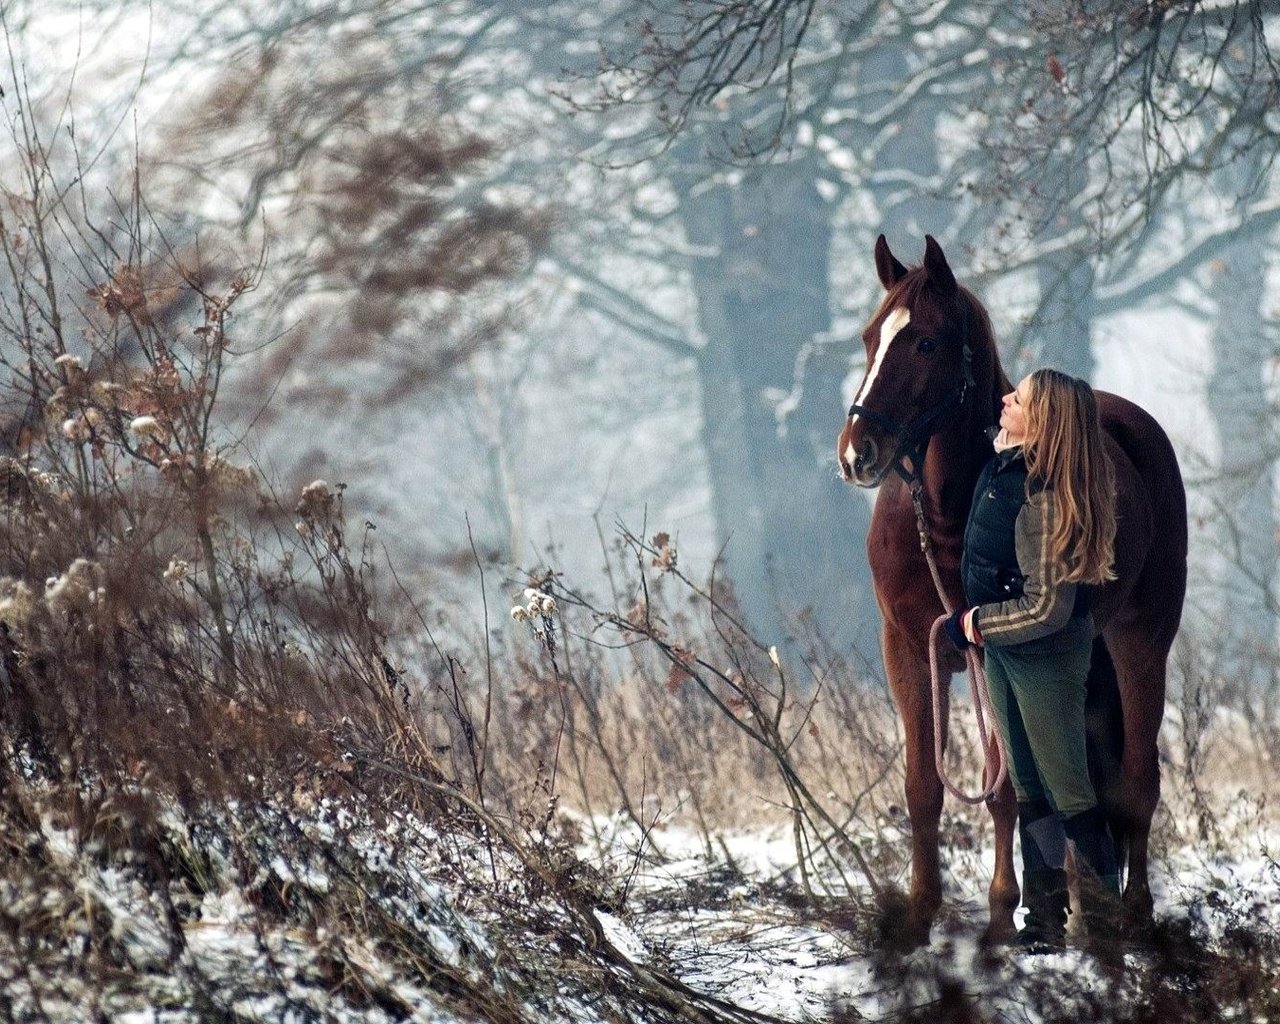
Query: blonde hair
1065,453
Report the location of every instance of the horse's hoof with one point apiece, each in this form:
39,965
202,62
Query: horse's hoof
1139,928
900,925
1139,913
999,932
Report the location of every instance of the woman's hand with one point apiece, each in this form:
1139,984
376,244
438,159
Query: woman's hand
961,630
954,628
969,621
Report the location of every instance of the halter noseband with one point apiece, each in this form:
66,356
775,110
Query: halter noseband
913,436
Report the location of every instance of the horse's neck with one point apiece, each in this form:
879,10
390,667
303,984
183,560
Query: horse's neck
951,469
957,454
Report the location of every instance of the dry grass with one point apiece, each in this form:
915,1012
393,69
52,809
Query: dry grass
201,702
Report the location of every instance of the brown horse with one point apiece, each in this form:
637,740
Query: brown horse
932,389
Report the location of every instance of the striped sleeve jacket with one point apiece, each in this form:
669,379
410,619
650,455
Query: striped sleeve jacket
1046,602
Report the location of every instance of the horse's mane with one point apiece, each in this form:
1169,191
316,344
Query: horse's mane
905,292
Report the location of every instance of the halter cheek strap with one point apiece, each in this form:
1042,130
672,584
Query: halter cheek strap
913,436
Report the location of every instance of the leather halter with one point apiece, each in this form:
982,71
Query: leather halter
913,436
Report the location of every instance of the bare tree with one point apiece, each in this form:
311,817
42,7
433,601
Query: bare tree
680,62
1082,118
1149,94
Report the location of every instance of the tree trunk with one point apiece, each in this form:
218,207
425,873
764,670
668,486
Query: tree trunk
796,535
1237,395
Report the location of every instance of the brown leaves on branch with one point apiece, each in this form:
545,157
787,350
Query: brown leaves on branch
666,557
1055,68
679,671
123,293
400,231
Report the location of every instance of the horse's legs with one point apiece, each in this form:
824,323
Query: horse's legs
909,683
1004,894
1141,674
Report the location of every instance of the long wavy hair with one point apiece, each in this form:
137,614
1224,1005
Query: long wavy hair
1065,452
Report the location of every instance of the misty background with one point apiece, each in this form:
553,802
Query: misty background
524,281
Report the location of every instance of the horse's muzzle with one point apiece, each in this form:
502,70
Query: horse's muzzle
858,463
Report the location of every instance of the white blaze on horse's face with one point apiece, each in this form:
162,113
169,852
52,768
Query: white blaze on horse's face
890,328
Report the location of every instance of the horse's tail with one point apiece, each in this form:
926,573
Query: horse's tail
1104,732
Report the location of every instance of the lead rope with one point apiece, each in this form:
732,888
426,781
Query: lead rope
996,765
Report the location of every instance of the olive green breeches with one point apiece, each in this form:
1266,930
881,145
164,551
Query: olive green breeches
1039,703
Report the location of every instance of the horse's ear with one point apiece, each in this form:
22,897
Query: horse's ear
935,265
887,265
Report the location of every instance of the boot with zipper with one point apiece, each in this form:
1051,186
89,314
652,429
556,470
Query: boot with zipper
1099,879
1044,894
1044,881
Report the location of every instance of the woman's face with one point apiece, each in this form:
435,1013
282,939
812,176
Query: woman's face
1013,413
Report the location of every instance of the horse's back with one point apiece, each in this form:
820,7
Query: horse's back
1151,507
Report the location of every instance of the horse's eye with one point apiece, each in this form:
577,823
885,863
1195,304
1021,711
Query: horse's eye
926,345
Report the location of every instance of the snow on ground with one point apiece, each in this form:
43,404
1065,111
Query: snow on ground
727,917
283,913
313,911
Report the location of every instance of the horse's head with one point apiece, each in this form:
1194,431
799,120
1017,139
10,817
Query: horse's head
918,366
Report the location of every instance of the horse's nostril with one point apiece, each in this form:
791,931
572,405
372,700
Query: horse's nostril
867,452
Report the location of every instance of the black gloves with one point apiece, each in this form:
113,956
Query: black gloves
954,628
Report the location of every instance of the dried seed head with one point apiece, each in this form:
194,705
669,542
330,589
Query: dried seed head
78,589
77,429
229,475
316,501
17,602
147,426
107,393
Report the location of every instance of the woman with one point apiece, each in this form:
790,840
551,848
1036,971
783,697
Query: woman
1041,533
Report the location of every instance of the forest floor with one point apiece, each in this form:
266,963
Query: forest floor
304,909
735,923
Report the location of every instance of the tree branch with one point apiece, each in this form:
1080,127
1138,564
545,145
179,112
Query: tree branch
629,313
